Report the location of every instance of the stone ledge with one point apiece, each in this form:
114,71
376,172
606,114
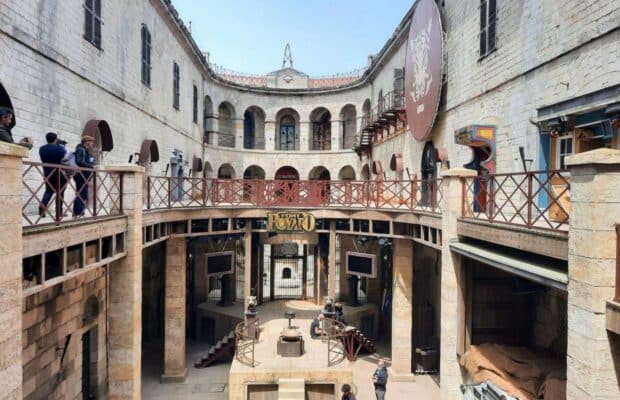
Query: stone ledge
612,317
125,168
602,156
174,378
13,150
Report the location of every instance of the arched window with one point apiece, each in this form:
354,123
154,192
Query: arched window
286,273
321,121
208,121
349,126
227,125
249,130
287,133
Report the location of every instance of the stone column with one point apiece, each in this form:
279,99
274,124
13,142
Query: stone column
174,324
452,311
238,127
305,138
331,261
592,352
247,284
336,134
402,308
125,291
11,277
270,135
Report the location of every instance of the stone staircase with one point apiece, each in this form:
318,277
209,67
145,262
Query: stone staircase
223,349
291,389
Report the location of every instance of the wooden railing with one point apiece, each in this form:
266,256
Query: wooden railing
53,193
537,199
245,343
415,195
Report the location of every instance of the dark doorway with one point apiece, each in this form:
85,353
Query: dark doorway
5,101
286,274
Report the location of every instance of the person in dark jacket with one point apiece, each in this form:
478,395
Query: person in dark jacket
339,312
83,159
316,329
346,392
6,124
379,379
55,181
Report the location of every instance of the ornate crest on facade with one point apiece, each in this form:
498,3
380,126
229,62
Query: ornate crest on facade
423,68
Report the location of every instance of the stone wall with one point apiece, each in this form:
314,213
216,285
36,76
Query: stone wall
57,317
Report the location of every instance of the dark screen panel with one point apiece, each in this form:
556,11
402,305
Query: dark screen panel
360,264
221,263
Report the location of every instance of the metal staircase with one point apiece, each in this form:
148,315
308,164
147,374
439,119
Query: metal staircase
223,349
354,341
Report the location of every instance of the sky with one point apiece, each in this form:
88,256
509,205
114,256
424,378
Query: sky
326,36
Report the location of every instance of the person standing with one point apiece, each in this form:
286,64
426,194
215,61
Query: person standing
379,379
346,392
6,124
83,159
55,181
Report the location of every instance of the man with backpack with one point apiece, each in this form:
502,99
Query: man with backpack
55,181
83,159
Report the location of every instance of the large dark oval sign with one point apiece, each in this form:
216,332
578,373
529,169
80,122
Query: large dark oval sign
423,68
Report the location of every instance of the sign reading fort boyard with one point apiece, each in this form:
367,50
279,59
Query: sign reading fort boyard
290,221
423,67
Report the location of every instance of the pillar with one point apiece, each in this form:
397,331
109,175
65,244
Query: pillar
305,138
270,135
125,291
592,367
11,277
336,139
452,306
247,284
402,307
239,132
174,323
331,261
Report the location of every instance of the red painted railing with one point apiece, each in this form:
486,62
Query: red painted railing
71,193
166,192
537,199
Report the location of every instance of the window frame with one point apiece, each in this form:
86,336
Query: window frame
195,104
145,35
176,86
488,28
559,154
92,14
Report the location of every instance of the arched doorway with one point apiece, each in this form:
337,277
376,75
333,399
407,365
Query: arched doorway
226,171
347,173
365,174
5,101
250,189
225,188
349,126
287,130
226,125
254,128
287,173
321,191
321,121
207,121
254,172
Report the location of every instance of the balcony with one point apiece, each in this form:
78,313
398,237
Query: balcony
172,193
388,111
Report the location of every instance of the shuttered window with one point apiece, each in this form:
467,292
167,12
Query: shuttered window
488,14
92,22
195,103
175,85
146,56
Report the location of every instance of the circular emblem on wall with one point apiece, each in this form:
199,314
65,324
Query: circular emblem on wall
423,67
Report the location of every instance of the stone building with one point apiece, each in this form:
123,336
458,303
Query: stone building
496,229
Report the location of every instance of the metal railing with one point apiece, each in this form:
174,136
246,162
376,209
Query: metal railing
54,193
245,342
537,199
414,195
337,349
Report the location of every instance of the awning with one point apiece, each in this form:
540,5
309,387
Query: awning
539,269
396,163
105,134
196,164
149,151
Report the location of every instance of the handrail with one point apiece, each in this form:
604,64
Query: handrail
187,192
245,343
336,348
534,199
61,192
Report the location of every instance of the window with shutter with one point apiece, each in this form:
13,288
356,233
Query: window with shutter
488,13
92,22
175,85
195,103
146,56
